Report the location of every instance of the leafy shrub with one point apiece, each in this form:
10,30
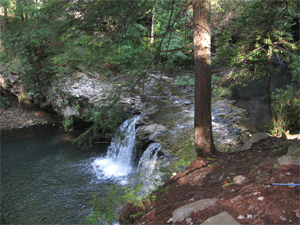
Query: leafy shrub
4,103
184,81
286,110
217,89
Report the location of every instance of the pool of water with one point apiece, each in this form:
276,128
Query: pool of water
45,179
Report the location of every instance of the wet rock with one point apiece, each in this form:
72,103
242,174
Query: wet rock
186,210
147,135
221,218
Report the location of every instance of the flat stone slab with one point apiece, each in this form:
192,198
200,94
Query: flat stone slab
223,218
186,210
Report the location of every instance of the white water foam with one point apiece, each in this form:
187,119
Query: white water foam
147,168
118,163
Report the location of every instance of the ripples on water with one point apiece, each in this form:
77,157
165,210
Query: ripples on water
45,179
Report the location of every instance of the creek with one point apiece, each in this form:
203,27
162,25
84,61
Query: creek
45,179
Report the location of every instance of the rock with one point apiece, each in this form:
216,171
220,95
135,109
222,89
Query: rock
239,180
11,82
186,210
147,135
294,150
221,218
170,220
283,218
70,95
188,220
288,160
255,138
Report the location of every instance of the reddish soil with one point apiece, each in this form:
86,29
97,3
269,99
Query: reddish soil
213,178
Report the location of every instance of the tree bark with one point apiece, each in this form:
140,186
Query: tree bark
202,53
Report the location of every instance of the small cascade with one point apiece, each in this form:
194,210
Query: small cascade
120,154
147,172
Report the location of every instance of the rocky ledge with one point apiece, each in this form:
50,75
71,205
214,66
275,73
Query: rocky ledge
18,118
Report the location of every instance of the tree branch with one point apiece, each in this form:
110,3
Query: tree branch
178,49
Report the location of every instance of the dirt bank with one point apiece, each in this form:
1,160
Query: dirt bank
252,202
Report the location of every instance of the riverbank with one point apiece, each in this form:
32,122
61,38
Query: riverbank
15,115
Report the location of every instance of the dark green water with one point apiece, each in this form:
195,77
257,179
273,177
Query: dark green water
45,179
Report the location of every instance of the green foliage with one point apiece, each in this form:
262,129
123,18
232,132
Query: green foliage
257,38
67,123
286,111
217,89
104,209
186,155
185,81
173,30
106,119
165,189
4,103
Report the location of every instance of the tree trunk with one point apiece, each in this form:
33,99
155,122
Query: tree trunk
152,26
202,42
19,9
5,17
269,95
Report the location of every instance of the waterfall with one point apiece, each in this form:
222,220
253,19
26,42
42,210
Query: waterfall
118,161
147,172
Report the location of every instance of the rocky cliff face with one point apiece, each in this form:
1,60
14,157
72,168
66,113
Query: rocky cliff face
68,96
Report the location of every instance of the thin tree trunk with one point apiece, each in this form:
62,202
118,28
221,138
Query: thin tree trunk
5,17
269,95
202,52
152,26
19,9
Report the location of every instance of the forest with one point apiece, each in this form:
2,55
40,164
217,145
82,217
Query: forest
123,41
53,38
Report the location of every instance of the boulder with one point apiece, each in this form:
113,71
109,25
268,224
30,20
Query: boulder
222,218
255,138
186,210
288,160
146,135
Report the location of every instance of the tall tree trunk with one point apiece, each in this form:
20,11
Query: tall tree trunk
202,52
